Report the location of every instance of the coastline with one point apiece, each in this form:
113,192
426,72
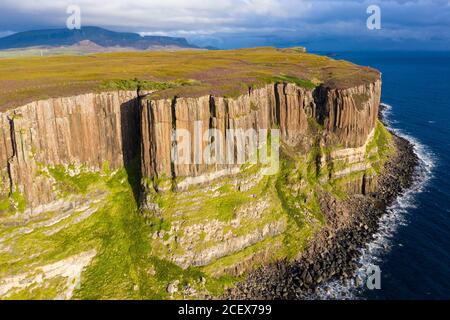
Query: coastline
334,253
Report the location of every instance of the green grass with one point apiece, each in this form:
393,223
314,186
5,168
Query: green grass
19,200
379,148
303,83
305,173
4,204
36,292
115,231
79,183
158,224
130,264
13,203
200,207
125,266
282,192
225,205
135,84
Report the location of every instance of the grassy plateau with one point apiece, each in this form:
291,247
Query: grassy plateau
182,73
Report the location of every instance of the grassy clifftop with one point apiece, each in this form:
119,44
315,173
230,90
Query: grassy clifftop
182,73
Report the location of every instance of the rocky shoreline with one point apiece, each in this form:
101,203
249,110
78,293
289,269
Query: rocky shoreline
335,251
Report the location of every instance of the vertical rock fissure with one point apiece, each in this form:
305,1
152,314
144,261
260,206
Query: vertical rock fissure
277,105
14,154
133,137
138,122
319,96
152,140
285,110
363,186
226,127
336,113
174,151
212,121
137,114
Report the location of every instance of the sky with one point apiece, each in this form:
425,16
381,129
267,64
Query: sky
316,24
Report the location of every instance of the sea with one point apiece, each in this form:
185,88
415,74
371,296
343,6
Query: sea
411,251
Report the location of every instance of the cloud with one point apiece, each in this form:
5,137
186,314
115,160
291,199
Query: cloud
225,20
169,14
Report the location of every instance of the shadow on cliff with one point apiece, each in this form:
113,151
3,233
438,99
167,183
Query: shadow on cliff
320,95
131,141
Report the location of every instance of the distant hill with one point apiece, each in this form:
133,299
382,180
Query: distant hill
98,36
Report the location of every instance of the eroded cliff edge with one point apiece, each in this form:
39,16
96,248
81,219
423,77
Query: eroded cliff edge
95,130
224,219
324,118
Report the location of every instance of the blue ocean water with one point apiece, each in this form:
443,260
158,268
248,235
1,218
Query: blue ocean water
412,248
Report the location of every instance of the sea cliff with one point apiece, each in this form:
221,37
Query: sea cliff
96,173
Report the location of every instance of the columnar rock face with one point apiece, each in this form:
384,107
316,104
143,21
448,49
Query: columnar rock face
92,130
346,116
89,130
195,116
349,115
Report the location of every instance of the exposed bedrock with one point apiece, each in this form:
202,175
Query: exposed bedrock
91,130
111,128
346,118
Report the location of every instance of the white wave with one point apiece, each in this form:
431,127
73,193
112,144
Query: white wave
389,223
